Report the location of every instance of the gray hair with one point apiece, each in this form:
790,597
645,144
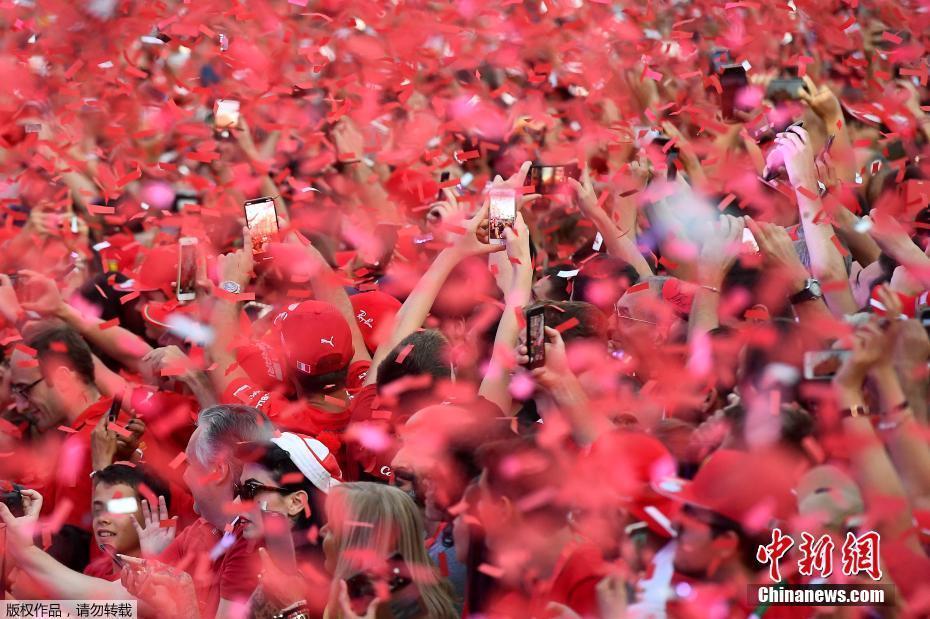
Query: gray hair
226,425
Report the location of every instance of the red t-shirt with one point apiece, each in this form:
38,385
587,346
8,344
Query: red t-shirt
232,575
574,584
299,416
73,467
103,567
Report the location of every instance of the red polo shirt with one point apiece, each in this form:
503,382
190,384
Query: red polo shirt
73,467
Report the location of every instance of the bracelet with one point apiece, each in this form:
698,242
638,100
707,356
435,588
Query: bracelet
887,424
297,610
900,408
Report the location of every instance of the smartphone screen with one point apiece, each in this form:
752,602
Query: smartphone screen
823,364
262,221
732,80
187,269
442,179
784,88
536,337
226,113
503,212
550,179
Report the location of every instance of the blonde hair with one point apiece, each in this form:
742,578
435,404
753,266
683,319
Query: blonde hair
370,523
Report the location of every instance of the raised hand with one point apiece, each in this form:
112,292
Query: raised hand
44,296
721,249
779,252
794,146
469,242
22,529
153,537
821,100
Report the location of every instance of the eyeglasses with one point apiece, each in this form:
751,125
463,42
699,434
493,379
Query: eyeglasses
250,489
22,391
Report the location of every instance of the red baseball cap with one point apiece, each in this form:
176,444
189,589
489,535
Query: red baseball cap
157,271
628,464
263,363
315,337
375,313
157,312
749,488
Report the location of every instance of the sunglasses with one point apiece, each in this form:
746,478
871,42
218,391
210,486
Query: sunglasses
22,391
250,489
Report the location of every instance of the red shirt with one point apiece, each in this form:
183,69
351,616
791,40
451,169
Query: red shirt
299,416
73,468
573,584
103,567
232,576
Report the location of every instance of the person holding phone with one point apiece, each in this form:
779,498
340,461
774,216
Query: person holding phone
373,547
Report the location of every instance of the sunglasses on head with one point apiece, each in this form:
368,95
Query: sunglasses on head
249,490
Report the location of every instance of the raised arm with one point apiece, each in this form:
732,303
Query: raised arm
413,312
119,343
827,263
620,243
496,383
873,468
234,270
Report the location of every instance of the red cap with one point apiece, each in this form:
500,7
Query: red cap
263,363
157,312
628,463
315,337
375,313
158,270
751,489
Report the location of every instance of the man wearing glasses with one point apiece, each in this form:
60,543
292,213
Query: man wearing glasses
54,387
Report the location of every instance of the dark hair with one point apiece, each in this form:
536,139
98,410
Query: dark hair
137,477
426,353
598,269
278,462
560,288
518,469
59,344
322,383
720,525
592,323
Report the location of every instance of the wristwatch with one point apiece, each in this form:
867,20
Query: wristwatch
231,287
809,292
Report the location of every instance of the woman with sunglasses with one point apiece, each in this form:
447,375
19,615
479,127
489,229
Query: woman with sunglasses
283,488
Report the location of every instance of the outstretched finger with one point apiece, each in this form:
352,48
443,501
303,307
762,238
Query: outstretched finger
147,513
162,509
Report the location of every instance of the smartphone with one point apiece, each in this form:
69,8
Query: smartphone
536,337
502,214
225,113
187,269
549,179
11,495
750,241
732,80
110,551
823,364
262,221
115,407
925,319
784,88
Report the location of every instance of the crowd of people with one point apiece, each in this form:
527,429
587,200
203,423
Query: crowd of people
703,325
